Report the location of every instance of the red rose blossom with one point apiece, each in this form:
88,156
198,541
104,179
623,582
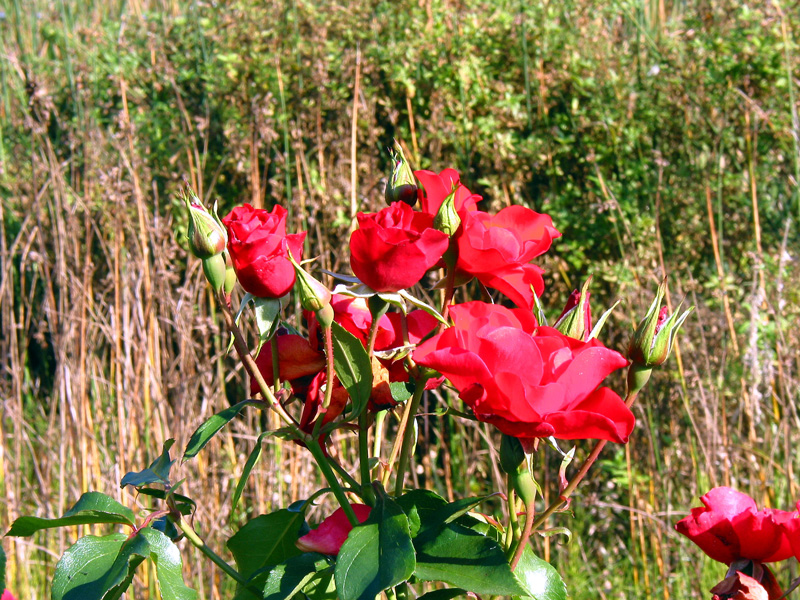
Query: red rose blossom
392,249
497,249
258,245
332,532
529,382
435,188
729,527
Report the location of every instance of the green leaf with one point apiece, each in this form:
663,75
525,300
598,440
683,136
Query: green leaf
401,390
264,541
83,569
169,569
103,568
353,368
288,578
377,555
157,472
541,579
267,311
92,507
211,427
419,505
252,460
443,594
466,559
452,511
321,587
420,304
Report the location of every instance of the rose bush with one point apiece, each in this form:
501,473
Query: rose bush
730,527
391,250
528,381
258,245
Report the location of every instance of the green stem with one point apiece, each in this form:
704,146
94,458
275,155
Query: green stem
377,442
363,449
198,543
530,511
330,477
276,369
408,438
343,473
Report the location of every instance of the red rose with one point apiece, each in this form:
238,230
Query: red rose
530,382
7,596
258,244
297,362
332,532
497,249
392,249
435,188
730,527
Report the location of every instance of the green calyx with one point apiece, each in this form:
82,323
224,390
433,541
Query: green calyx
402,185
207,235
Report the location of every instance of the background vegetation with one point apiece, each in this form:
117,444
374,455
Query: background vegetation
661,136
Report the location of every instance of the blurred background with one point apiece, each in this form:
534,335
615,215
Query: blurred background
662,136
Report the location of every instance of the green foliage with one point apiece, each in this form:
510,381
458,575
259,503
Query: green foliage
353,368
211,427
92,507
157,472
102,568
377,555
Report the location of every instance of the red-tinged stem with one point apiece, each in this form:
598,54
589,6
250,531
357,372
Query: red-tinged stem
252,369
587,464
530,512
449,291
329,370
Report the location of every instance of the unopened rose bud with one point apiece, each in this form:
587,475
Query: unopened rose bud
447,219
207,235
576,320
653,339
312,294
402,186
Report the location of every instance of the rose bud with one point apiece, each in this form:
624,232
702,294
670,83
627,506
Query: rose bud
576,320
447,219
652,341
313,295
332,532
207,235
402,186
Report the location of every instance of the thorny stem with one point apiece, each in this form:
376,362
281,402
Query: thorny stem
252,369
587,464
311,443
530,512
329,371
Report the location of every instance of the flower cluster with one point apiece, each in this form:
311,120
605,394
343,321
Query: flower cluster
528,380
